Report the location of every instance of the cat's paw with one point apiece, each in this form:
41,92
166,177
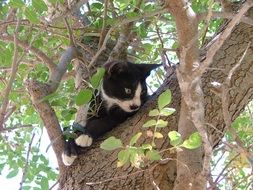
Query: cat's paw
70,153
84,140
68,159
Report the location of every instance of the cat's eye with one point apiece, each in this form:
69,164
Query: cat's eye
128,91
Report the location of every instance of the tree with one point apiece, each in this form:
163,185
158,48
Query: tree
210,87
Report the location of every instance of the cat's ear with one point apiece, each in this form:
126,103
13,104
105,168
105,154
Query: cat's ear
145,69
114,67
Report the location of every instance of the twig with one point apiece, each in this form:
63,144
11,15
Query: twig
227,15
207,21
118,24
7,129
26,162
70,32
103,31
225,168
14,70
163,53
54,185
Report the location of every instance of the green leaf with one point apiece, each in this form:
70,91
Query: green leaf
12,173
164,99
146,146
135,138
167,111
149,123
96,5
154,112
83,97
44,183
39,5
153,155
17,3
97,77
175,138
193,142
68,113
161,123
111,143
175,45
123,157
132,14
31,15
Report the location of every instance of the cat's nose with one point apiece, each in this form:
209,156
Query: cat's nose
134,107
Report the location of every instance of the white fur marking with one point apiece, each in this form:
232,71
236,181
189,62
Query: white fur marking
124,104
68,160
83,140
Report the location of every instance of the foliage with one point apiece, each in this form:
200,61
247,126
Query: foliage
139,156
238,165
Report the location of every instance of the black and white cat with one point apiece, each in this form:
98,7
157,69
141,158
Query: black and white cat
122,93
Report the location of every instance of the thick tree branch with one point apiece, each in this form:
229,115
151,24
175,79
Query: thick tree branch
192,108
38,91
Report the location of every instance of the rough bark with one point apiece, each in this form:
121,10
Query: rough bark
96,165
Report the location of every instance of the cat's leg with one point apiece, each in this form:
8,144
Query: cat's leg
70,152
94,129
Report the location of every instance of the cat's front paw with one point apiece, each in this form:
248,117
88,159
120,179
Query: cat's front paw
84,140
68,159
70,153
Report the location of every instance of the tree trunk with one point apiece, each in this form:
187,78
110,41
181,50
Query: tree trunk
96,168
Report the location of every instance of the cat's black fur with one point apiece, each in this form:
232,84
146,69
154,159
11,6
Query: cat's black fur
122,93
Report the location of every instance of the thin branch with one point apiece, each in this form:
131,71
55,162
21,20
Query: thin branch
70,32
226,15
225,168
8,129
103,31
52,187
14,70
207,21
56,75
122,22
26,163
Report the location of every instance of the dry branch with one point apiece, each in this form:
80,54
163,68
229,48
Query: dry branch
226,15
14,70
26,162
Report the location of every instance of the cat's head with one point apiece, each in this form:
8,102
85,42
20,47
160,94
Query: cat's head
124,84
